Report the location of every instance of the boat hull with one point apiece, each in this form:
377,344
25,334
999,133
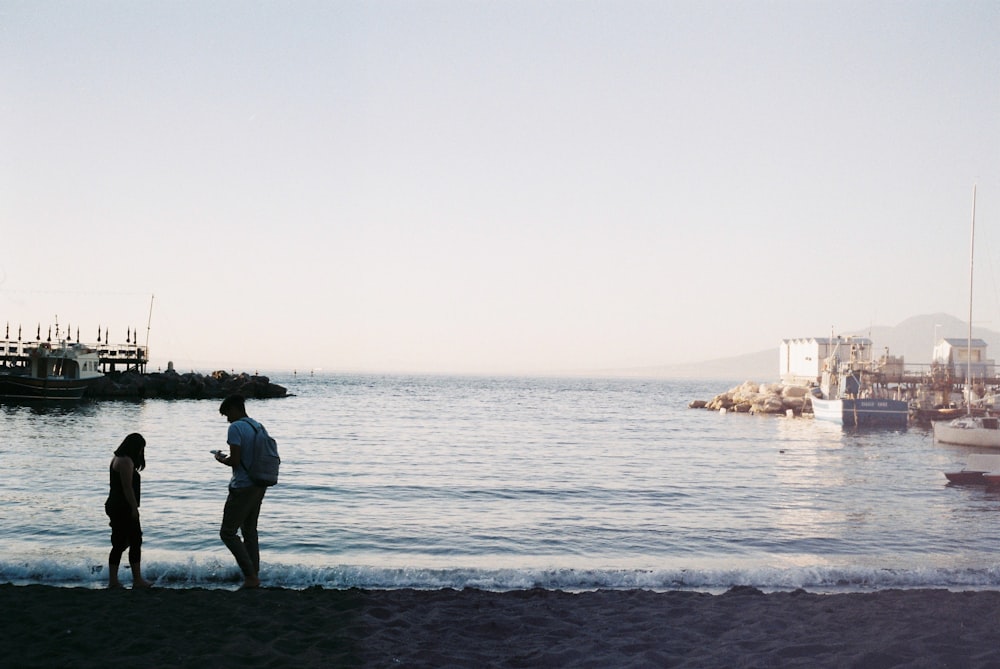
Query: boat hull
863,412
969,431
966,477
16,387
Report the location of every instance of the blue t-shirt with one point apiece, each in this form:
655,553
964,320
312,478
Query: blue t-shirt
242,434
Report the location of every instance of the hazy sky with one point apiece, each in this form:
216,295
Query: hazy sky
472,186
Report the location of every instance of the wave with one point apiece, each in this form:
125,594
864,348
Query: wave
213,574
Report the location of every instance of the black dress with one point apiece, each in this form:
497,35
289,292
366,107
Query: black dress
125,530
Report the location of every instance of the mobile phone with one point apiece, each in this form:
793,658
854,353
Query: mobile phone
215,451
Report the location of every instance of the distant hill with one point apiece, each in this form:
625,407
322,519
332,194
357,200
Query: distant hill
913,339
761,366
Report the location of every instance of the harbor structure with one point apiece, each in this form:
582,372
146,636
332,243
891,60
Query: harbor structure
130,356
803,361
959,356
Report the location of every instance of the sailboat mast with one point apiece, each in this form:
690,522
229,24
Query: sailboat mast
149,322
968,351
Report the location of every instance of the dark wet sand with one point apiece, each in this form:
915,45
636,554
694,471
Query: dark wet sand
70,627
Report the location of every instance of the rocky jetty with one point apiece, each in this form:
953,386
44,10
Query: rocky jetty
752,397
171,385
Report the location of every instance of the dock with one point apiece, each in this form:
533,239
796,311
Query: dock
121,358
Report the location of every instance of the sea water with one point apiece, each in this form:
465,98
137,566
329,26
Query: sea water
501,483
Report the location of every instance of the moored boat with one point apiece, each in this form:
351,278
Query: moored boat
966,477
938,413
980,431
862,412
970,430
850,395
979,470
60,372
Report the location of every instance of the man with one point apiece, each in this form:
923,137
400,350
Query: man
243,502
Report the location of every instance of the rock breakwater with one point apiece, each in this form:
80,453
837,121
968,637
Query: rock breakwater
171,385
753,397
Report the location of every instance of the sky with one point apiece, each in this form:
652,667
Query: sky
468,186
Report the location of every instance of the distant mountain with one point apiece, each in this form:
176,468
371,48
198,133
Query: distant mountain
761,366
913,339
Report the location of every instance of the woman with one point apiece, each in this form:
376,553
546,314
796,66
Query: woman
122,508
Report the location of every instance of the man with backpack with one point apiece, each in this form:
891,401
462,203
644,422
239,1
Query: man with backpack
245,496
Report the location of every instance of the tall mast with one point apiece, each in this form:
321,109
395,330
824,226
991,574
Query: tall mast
968,351
149,322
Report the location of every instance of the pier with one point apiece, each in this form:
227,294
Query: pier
123,358
935,377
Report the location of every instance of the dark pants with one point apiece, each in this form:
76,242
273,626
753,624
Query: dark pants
241,512
125,533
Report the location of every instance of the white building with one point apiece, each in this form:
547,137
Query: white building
801,360
956,354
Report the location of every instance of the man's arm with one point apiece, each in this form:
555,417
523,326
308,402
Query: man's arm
231,460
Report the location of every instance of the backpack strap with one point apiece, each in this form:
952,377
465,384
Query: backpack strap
243,462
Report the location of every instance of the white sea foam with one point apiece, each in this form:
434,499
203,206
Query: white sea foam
213,574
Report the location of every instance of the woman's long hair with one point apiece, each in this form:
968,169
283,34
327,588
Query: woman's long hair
134,447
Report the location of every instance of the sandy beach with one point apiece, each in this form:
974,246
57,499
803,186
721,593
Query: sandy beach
71,627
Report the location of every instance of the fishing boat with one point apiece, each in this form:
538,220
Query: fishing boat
970,429
850,393
62,371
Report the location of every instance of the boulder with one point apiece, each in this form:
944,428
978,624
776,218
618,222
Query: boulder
171,385
751,397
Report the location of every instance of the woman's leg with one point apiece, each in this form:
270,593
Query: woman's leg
114,562
135,555
119,542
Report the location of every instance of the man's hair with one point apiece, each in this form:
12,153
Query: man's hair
233,402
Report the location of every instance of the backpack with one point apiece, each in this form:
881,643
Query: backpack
263,469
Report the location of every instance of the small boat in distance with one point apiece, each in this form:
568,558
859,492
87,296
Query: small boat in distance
50,372
850,395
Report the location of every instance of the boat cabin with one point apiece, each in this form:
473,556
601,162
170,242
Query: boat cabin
68,361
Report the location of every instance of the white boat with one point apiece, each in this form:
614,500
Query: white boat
979,431
969,430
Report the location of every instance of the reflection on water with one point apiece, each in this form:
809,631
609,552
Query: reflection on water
40,407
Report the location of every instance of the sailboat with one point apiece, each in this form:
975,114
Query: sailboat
969,430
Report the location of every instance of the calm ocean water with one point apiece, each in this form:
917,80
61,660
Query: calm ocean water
502,483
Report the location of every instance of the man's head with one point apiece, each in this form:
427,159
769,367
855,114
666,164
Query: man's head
233,407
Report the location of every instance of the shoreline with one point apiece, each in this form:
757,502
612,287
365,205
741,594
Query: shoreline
80,627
